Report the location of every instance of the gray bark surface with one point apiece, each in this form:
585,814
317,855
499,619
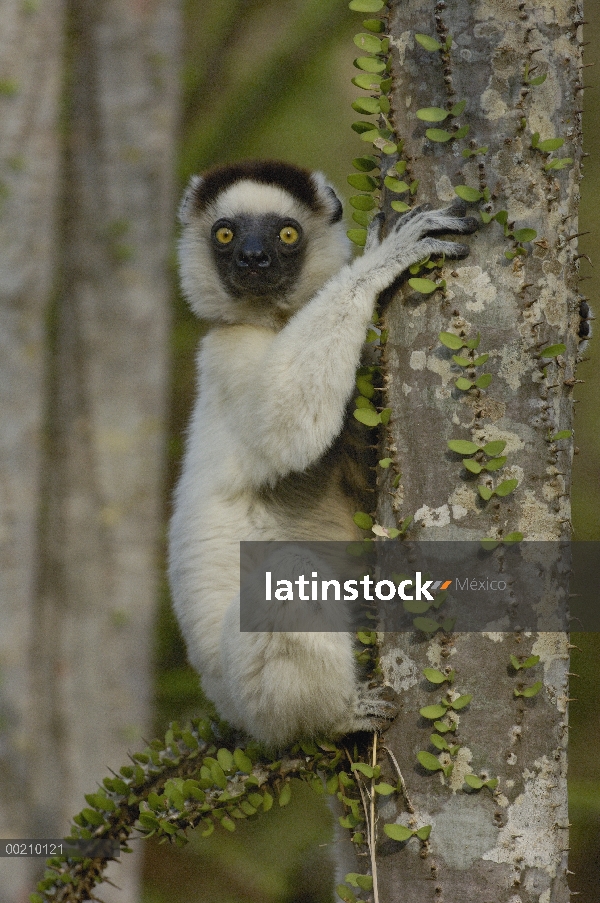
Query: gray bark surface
87,319
509,844
30,72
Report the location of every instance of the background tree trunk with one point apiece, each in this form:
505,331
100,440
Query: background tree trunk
88,617
486,846
30,76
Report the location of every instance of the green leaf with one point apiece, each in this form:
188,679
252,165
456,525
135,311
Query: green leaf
345,894
376,25
432,114
285,794
395,185
558,164
550,144
358,236
362,402
384,416
365,882
93,817
366,163
363,218
368,43
463,384
461,702
451,341
467,193
506,487
368,81
361,126
485,217
480,360
362,182
424,832
494,448
553,350
535,139
528,692
434,676
472,466
462,132
362,520
438,135
462,361
367,105
538,80
457,109
415,606
385,462
486,493
225,760
462,446
365,386
148,821
218,775
524,234
511,538
433,712
443,728
399,206
429,761
427,42
384,789
495,464
242,762
366,6
563,434
424,286
438,742
483,381
474,781
398,832
367,770
375,134
427,625
370,64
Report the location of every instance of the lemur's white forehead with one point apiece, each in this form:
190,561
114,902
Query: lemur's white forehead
253,197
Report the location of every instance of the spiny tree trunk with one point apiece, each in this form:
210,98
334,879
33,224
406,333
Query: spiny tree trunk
487,845
87,620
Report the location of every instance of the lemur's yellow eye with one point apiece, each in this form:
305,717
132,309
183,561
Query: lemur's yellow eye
289,235
224,235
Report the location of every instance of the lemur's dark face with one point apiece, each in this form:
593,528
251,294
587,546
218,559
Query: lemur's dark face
258,254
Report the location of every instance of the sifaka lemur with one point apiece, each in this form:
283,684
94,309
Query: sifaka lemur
264,258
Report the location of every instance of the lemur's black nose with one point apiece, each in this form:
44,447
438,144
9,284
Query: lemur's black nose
252,253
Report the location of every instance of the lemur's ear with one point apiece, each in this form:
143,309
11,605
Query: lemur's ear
328,197
188,201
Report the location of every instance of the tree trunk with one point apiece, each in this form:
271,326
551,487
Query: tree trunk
30,50
489,844
88,618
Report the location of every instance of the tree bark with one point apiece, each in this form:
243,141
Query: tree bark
30,50
82,598
486,845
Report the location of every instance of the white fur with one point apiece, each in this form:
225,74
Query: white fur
272,401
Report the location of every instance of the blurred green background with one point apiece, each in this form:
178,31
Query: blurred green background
263,78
